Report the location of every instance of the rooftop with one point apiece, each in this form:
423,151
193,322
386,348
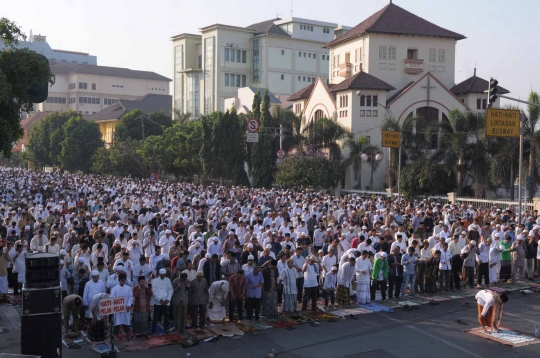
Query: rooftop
303,93
66,68
474,84
362,80
268,27
147,104
393,19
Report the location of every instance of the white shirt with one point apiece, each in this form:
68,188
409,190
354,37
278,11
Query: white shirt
310,275
362,265
345,274
445,264
485,299
327,262
298,261
162,290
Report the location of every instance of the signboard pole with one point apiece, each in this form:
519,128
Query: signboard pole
399,172
520,165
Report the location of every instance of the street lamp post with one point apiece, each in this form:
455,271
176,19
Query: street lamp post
371,158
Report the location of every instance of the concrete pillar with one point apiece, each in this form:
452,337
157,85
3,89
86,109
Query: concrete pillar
337,191
452,197
536,202
389,192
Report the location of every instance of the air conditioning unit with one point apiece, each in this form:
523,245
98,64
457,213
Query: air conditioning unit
230,45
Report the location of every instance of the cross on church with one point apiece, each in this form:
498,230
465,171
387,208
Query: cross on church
428,87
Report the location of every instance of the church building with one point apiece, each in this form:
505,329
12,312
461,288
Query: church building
393,64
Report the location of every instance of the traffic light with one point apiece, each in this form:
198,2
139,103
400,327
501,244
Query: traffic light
39,91
492,90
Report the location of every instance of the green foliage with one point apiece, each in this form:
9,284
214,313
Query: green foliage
121,159
356,148
45,138
130,125
324,134
308,172
82,139
19,70
17,160
263,153
426,177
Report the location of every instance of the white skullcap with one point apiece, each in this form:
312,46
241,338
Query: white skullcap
384,254
168,232
61,262
251,257
94,273
80,260
334,268
208,255
162,271
63,252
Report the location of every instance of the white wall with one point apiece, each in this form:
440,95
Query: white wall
280,83
280,58
341,51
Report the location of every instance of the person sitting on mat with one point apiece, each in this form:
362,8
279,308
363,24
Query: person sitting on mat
490,309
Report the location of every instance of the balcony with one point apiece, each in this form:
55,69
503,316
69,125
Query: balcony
345,69
414,66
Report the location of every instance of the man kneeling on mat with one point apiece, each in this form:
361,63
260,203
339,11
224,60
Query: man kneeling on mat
490,309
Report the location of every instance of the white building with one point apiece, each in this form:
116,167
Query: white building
88,89
403,66
281,55
38,43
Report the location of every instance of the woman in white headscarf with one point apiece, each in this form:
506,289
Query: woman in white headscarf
218,293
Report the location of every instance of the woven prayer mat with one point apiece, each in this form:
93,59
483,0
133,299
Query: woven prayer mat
260,324
390,304
506,336
353,311
299,318
279,322
437,298
164,340
159,328
408,303
132,345
15,300
246,327
375,307
319,315
498,289
226,330
201,334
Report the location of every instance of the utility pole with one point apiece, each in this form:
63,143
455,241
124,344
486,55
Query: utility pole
520,165
142,125
281,137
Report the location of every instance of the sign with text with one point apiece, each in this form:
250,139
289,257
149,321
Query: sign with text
391,139
252,137
112,305
502,123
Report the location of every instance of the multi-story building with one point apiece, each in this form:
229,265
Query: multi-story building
88,89
38,43
281,55
393,64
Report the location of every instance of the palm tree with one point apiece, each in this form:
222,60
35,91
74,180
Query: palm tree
356,148
325,134
181,117
532,135
371,151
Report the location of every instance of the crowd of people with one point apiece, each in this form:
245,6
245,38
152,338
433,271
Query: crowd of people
192,254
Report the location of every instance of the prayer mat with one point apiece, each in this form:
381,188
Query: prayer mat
498,289
132,345
15,300
261,324
408,303
159,328
353,311
104,348
299,318
166,339
201,334
391,304
375,307
279,322
226,330
506,336
81,327
319,315
246,327
437,298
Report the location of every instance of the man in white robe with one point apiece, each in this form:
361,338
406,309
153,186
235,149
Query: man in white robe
363,272
345,277
217,294
494,261
91,289
288,278
122,319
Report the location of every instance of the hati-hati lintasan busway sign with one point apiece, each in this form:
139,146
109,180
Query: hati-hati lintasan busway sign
391,139
112,305
502,123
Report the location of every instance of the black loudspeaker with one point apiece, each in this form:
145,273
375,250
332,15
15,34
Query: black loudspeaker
41,300
41,335
42,270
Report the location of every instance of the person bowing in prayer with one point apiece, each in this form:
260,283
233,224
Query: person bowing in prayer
490,309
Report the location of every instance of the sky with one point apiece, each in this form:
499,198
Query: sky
501,35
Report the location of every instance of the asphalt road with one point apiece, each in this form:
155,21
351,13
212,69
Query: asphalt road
430,331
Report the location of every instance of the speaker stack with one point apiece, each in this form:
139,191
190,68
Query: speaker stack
41,325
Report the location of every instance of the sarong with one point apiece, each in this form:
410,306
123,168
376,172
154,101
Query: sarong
270,304
486,320
96,332
342,295
363,293
506,270
289,302
140,323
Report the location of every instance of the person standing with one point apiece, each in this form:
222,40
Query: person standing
344,281
445,267
530,256
19,269
494,260
180,301
162,292
395,273
329,287
311,283
5,258
91,289
270,276
518,250
298,263
237,294
288,279
482,258
380,274
470,263
254,283
505,273
122,319
363,269
198,298
142,295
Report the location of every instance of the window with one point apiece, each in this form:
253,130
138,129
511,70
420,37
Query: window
368,113
304,78
93,86
299,78
178,77
319,114
391,53
481,103
299,54
209,75
238,80
432,55
412,54
227,54
244,56
362,113
375,99
440,53
226,80
368,101
282,52
109,101
362,101
192,94
232,57
256,60
200,62
304,54
382,52
282,77
323,56
375,113
238,56
244,80
326,30
83,85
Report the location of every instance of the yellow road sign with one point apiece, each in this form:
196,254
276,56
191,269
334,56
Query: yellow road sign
391,139
502,123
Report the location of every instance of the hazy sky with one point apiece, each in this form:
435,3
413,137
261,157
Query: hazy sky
502,36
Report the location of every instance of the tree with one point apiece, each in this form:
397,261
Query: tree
325,135
131,125
533,136
262,155
308,171
425,176
292,134
181,117
120,159
356,148
82,140
19,70
45,138
392,170
371,151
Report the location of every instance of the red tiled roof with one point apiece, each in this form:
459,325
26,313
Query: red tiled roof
362,80
474,85
393,19
302,94
395,95
27,123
